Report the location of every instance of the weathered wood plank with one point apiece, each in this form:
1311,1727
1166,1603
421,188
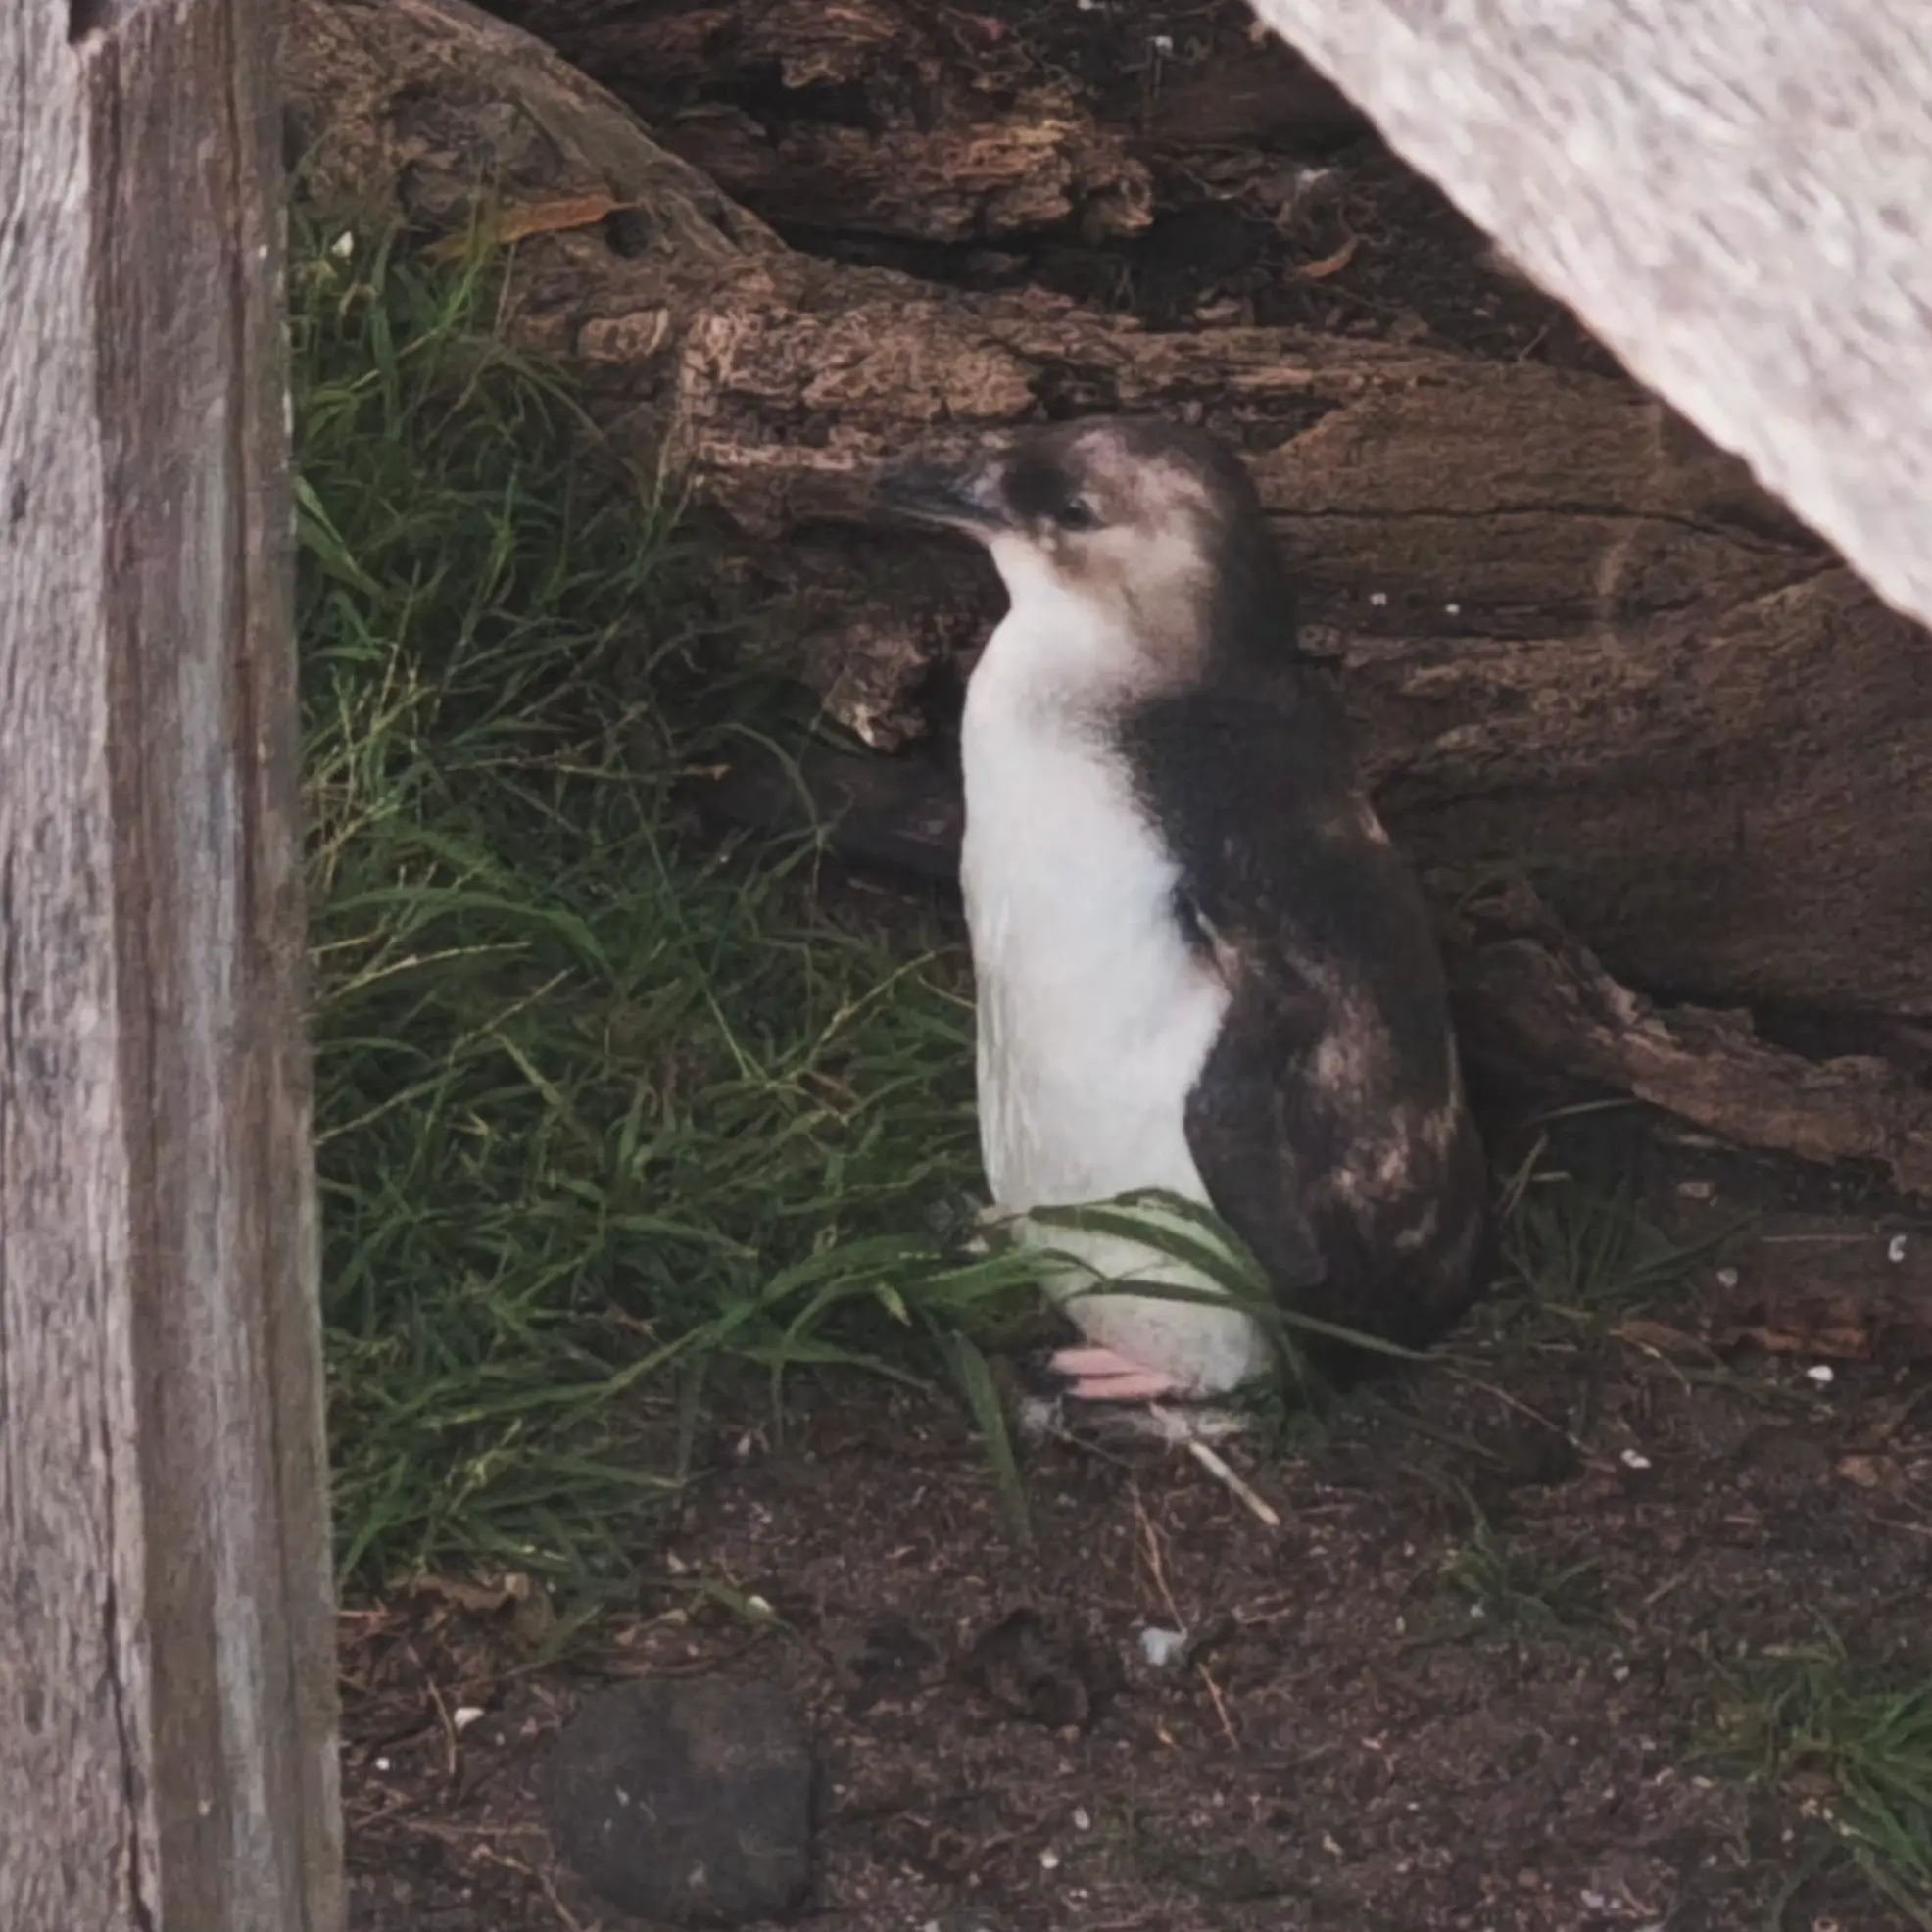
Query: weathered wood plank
70,1521
1736,197
166,1748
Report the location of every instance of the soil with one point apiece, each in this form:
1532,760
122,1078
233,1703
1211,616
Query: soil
1478,1677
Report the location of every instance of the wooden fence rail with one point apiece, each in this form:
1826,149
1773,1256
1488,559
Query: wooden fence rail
1735,196
167,1725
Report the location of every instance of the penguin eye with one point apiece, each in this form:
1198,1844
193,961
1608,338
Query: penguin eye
1075,514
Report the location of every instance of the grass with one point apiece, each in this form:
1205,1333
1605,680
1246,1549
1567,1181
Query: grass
1583,1249
592,1109
1853,1745
1510,1584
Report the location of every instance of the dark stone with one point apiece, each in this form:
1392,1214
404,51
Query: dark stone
688,1801
628,232
890,1664
1041,1670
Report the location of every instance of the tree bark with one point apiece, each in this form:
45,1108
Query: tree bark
860,118
924,123
1577,640
1528,995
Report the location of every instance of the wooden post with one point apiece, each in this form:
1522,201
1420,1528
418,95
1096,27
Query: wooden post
166,1724
1735,196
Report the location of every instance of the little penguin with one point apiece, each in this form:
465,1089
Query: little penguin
1200,964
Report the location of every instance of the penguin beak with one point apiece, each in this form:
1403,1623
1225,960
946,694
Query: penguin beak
964,496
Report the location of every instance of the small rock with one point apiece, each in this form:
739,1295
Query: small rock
1040,1668
1161,1647
687,1800
627,231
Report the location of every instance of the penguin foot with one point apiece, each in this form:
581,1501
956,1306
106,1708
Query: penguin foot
1101,1374
1098,1396
1108,1424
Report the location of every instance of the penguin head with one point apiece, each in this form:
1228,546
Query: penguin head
1153,526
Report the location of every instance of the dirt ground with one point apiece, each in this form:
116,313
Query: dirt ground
1475,1679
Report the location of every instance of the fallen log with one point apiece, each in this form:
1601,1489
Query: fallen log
1529,993
860,117
929,122
1577,640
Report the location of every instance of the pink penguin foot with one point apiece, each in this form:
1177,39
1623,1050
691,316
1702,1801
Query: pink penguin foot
1099,1374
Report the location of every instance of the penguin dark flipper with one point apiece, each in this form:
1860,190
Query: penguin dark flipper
1328,1123
1247,1162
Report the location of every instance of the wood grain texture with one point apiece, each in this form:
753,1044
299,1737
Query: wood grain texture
948,133
166,1744
1736,197
1529,995
75,1751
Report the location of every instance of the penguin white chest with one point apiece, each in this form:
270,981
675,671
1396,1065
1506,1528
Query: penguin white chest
1095,1016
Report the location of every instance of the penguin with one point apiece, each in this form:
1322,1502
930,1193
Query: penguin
1201,966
